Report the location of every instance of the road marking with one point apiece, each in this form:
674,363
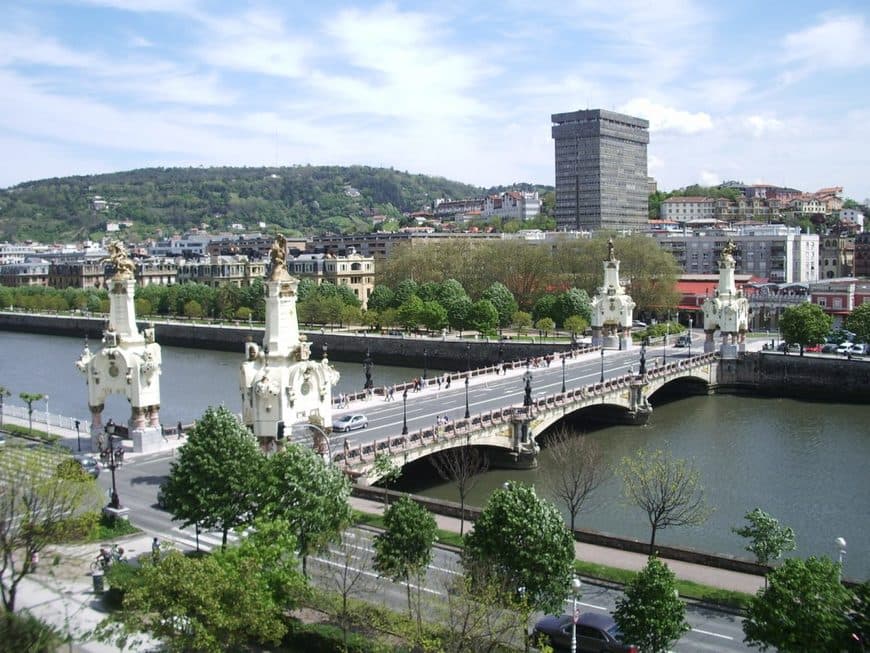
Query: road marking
707,632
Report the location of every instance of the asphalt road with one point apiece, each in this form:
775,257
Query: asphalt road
138,480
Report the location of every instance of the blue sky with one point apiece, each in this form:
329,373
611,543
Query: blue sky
765,92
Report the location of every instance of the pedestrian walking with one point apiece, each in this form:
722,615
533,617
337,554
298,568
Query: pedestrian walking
155,549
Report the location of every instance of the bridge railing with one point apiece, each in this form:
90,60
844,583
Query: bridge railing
465,427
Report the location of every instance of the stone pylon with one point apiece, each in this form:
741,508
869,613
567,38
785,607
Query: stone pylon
612,308
727,310
129,363
280,385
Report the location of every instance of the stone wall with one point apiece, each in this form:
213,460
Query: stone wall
441,353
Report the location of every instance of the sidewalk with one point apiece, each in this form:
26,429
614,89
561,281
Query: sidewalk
711,576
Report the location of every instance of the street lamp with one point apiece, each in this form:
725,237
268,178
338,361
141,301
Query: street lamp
467,356
601,380
367,365
405,411
690,337
575,593
78,435
563,374
467,413
47,430
114,463
841,545
425,363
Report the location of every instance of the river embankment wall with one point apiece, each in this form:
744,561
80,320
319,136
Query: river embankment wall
439,352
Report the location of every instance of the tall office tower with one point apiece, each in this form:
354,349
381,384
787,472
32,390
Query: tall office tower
601,178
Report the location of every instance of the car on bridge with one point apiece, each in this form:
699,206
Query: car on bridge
595,632
89,464
350,422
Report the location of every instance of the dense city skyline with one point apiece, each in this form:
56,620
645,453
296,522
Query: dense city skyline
773,93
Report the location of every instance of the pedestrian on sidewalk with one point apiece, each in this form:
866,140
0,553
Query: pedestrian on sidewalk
155,549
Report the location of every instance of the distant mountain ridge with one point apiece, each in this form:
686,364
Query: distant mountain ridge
298,200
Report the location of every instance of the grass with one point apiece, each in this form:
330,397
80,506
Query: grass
688,589
97,527
23,431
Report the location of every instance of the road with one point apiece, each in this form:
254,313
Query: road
139,479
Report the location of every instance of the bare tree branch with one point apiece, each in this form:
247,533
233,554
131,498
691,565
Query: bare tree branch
462,465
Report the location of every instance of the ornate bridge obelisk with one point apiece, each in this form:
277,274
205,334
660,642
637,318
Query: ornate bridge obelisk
727,310
612,308
128,364
280,384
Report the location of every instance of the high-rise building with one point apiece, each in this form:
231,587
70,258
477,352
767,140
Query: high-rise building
601,176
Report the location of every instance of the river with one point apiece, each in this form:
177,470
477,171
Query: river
806,463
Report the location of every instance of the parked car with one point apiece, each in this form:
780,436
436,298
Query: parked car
844,348
350,422
637,324
829,348
684,340
596,633
784,346
857,349
89,463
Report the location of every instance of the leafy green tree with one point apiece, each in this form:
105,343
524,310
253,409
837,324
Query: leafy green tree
805,324
215,480
667,489
521,321
802,610
433,316
28,398
545,307
406,289
860,613
35,504
483,317
22,631
651,615
193,309
767,539
858,322
459,314
572,302
311,496
382,298
403,550
545,325
388,472
576,324
503,300
521,540
409,312
215,603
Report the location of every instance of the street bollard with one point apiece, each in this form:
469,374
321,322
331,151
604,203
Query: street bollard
99,584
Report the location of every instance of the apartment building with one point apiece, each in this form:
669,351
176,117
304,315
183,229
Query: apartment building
836,256
513,205
216,271
32,271
353,271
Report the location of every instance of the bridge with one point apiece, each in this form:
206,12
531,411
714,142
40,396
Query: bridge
511,429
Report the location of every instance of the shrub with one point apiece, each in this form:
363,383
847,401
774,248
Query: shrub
21,631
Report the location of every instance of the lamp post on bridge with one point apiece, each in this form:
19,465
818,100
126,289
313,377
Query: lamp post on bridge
563,374
468,357
601,380
527,379
405,410
467,413
78,435
113,463
690,337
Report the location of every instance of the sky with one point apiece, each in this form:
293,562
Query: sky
762,92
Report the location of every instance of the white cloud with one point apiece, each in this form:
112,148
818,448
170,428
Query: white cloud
708,178
664,118
837,42
761,125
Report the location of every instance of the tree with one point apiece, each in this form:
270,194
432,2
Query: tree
578,470
805,324
388,472
545,307
483,317
404,549
409,312
28,398
503,300
576,324
462,465
350,575
215,481
768,540
651,615
36,503
668,489
311,496
545,325
521,541
214,603
433,316
802,610
572,302
382,298
521,321
858,322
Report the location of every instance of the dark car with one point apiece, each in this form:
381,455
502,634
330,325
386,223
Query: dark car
350,422
596,633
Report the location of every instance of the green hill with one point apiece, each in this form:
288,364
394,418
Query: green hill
298,200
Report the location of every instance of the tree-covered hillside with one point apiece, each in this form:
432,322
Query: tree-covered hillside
297,200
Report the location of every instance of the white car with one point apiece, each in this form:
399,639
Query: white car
858,349
844,348
350,422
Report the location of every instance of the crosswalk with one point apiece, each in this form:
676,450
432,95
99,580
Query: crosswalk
189,539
